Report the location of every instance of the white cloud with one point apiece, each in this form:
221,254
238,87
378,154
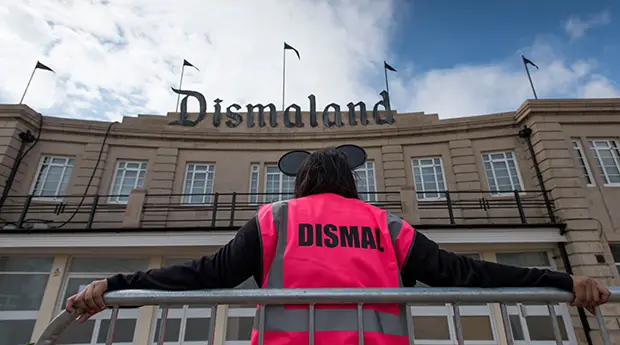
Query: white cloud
121,58
576,27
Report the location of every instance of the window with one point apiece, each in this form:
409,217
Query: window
240,319
531,323
615,252
198,185
128,175
22,283
365,182
607,159
502,173
254,181
433,323
429,178
52,177
185,325
277,185
583,162
81,272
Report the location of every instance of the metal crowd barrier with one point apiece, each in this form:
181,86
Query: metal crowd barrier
313,297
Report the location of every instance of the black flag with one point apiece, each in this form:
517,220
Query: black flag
386,66
526,61
42,66
286,46
186,63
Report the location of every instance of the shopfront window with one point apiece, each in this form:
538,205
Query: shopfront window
22,284
433,323
185,324
531,323
83,271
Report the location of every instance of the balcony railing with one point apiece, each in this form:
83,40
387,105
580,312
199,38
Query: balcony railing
228,211
269,298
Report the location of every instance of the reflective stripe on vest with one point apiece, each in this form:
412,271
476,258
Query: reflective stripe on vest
279,318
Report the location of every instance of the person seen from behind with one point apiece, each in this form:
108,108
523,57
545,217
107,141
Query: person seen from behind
326,237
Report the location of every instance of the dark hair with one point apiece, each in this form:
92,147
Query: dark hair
325,171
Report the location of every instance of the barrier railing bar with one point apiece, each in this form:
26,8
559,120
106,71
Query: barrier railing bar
457,324
311,324
112,326
162,326
506,321
554,324
360,324
359,297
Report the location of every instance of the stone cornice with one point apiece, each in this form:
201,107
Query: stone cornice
567,106
153,127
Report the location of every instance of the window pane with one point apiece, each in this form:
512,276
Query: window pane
527,259
173,329
239,328
25,264
197,329
123,265
124,331
477,328
517,329
78,333
540,328
21,292
431,327
74,285
16,332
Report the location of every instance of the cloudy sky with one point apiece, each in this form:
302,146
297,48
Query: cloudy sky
117,58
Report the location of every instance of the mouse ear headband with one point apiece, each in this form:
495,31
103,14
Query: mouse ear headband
290,162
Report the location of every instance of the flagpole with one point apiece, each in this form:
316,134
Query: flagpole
387,86
527,70
180,85
28,85
283,76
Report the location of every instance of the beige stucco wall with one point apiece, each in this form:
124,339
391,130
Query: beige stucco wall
459,142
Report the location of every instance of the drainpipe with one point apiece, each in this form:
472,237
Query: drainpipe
526,133
27,138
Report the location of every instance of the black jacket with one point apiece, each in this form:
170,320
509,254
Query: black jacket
242,257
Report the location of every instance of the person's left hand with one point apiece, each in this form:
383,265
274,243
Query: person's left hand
89,301
589,293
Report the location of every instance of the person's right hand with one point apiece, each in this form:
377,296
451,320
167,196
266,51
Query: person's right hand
89,301
589,293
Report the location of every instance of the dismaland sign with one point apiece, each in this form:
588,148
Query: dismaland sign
331,115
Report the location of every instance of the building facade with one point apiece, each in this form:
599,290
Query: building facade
537,187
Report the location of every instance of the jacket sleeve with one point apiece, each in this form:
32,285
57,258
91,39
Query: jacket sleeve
228,267
438,268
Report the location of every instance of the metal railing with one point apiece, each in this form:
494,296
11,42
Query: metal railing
313,297
228,211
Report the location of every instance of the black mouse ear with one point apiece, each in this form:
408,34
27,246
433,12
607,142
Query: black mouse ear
356,156
291,161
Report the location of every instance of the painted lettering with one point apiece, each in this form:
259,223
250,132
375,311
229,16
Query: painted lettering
331,110
332,236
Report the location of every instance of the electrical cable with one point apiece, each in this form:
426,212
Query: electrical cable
36,140
90,180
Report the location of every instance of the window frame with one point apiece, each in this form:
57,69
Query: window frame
446,310
208,195
371,196
598,159
114,198
583,162
253,197
281,196
40,170
421,195
26,315
519,177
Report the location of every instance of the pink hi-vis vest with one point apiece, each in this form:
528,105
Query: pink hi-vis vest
328,241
